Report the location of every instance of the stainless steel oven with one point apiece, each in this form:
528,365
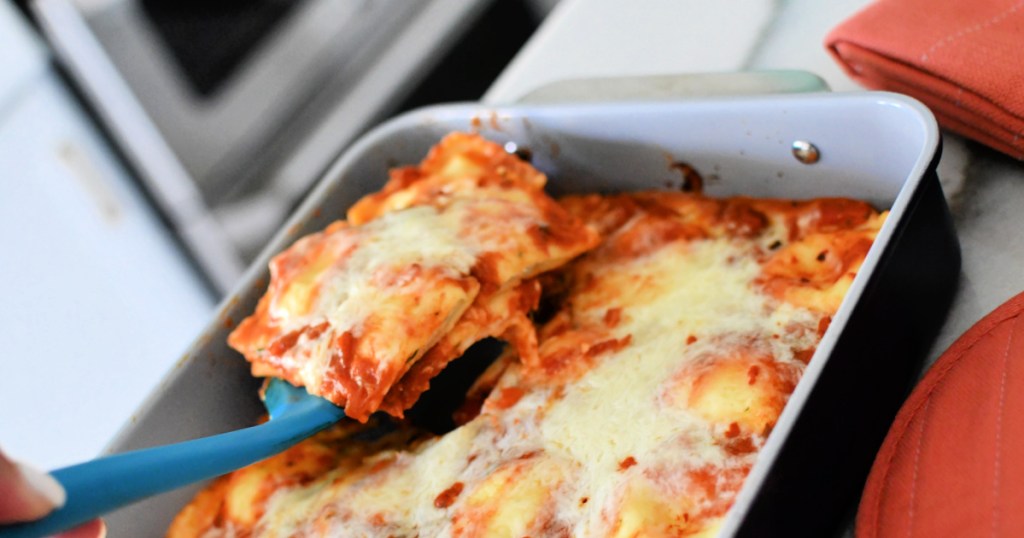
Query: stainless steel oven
229,110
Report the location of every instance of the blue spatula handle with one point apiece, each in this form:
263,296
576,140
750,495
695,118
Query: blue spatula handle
106,484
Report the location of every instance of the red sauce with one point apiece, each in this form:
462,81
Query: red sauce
529,296
690,339
743,220
253,333
692,180
739,446
752,374
380,465
507,397
526,456
647,234
317,330
613,344
416,381
402,178
447,497
568,354
559,228
830,214
560,364
486,272
469,409
285,343
359,378
804,355
823,325
604,214
612,317
627,463
706,479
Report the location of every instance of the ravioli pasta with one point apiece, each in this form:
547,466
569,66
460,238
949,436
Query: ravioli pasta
680,327
442,257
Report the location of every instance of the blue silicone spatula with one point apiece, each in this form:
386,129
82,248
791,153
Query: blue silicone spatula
106,484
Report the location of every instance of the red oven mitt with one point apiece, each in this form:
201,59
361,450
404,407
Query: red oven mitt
964,59
953,462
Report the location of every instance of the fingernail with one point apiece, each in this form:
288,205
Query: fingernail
43,484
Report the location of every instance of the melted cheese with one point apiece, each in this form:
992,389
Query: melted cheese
419,236
511,501
683,290
644,511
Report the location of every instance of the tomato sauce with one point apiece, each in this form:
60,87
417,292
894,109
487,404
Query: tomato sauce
447,497
612,317
507,397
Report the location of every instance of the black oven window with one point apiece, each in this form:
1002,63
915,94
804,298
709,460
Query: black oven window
210,39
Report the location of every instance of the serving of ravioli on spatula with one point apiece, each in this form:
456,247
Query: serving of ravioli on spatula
367,311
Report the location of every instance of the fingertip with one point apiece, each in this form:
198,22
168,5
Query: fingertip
96,528
26,493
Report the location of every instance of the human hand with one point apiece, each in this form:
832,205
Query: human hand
27,494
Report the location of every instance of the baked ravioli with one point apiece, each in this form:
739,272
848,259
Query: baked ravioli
636,409
441,257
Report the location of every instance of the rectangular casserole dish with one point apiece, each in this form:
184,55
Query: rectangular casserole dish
879,147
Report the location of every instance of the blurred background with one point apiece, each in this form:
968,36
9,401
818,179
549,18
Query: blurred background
149,148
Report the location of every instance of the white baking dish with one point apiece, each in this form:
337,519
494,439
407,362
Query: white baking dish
879,147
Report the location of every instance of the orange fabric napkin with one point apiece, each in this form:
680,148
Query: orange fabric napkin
953,462
964,59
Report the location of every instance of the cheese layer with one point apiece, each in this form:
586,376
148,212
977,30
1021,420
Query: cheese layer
673,349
